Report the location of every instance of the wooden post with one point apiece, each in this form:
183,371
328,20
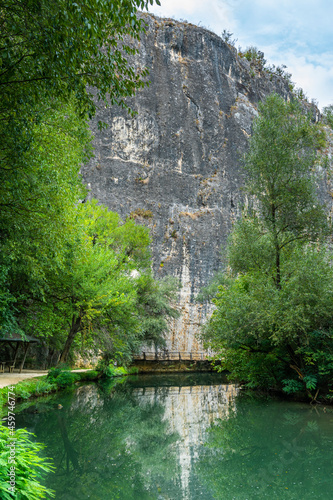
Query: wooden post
191,355
16,351
179,356
26,345
144,356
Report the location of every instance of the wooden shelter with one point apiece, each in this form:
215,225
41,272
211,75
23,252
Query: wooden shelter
15,340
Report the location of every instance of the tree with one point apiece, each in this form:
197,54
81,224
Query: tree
328,115
94,291
155,299
281,158
53,54
62,51
56,48
275,303
56,58
37,204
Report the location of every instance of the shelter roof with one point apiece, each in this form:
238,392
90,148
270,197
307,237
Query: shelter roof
17,337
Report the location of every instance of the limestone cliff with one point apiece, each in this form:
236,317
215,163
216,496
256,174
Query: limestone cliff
175,166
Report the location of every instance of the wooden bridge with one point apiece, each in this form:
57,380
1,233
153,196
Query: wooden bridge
172,356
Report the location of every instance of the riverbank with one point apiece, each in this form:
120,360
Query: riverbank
176,366
7,379
36,383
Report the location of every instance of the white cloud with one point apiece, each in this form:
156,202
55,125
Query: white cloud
217,15
296,33
315,79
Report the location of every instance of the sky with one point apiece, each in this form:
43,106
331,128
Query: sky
297,33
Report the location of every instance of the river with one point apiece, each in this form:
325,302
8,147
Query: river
181,437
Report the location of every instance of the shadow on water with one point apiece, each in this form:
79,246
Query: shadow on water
181,436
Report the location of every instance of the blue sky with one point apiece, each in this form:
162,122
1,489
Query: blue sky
297,33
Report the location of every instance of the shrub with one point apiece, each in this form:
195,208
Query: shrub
108,370
328,115
140,212
61,378
29,466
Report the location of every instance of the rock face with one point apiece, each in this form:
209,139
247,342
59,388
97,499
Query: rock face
176,166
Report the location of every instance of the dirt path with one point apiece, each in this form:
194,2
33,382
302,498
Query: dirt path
15,378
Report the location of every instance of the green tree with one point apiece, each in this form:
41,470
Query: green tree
56,60
279,164
155,303
37,204
275,301
55,48
56,53
93,292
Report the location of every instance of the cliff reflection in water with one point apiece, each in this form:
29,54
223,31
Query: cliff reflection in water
189,411
182,438
137,442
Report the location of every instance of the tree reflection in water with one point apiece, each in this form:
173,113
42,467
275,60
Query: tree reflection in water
184,438
269,449
106,447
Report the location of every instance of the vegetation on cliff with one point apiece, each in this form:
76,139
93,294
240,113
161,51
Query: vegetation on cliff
273,322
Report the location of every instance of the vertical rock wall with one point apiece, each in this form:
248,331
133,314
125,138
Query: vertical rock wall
179,157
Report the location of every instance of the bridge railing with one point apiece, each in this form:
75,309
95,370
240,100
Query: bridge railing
171,356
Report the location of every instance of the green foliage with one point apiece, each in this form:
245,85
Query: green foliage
38,191
255,57
274,303
65,379
55,49
226,36
65,267
328,115
62,378
29,467
155,303
108,369
43,386
259,63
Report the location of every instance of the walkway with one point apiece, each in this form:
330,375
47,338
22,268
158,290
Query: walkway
15,378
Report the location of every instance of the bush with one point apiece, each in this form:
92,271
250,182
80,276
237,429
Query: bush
61,378
108,370
66,379
29,466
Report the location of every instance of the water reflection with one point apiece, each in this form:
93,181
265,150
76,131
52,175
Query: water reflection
182,438
189,411
269,449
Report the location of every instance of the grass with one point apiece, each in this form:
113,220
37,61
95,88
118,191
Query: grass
42,386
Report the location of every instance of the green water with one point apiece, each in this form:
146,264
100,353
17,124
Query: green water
182,437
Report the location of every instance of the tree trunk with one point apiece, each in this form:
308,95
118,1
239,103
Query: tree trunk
75,328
